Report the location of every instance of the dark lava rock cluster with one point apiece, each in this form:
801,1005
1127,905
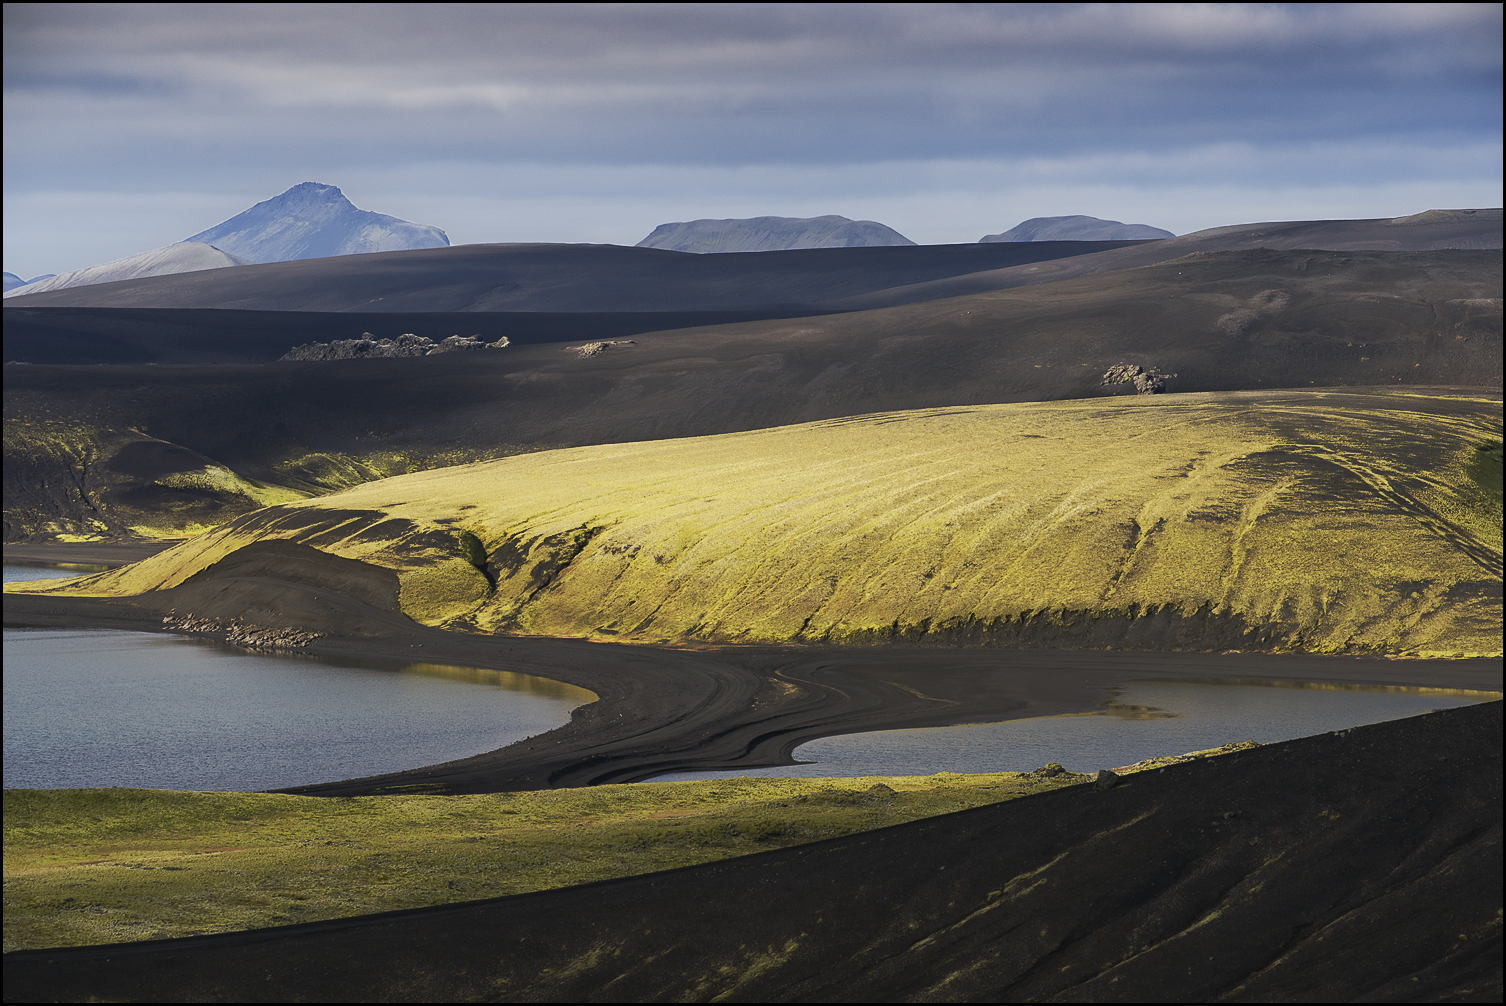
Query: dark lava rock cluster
243,634
367,347
1146,382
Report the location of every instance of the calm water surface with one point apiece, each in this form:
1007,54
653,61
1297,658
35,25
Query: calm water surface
108,708
141,709
1146,719
14,572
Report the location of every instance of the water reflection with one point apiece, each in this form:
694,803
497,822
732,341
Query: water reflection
108,708
14,572
1145,719
509,680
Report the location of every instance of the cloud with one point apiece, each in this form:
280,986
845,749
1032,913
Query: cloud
772,82
246,99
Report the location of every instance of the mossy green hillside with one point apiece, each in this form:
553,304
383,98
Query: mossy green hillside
1322,521
119,481
113,865
89,478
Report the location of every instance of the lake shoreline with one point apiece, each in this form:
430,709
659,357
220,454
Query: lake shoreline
682,709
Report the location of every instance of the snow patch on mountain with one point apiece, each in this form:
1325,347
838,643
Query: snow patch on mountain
771,234
185,256
311,220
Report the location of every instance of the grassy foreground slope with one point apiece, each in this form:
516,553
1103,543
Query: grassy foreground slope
114,865
1284,873
1314,520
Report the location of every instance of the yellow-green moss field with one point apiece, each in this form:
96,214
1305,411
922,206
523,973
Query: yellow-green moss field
1337,520
126,482
114,865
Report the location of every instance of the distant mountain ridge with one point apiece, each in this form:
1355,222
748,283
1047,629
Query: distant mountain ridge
185,256
12,280
1077,228
312,220
772,234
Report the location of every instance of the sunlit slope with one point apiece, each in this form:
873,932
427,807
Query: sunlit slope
167,451
1332,521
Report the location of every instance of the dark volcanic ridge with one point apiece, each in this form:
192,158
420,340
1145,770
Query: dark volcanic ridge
573,278
1435,230
1363,865
569,279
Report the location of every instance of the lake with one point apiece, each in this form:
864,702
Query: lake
1145,719
103,708
61,571
108,708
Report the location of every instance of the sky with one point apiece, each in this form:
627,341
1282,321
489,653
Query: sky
130,126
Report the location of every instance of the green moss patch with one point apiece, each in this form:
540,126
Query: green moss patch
116,865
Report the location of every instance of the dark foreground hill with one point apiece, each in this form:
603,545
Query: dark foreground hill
91,449
1362,866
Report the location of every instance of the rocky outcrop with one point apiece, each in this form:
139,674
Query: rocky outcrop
1146,382
597,348
367,347
243,634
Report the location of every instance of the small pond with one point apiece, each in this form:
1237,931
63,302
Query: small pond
1145,719
108,708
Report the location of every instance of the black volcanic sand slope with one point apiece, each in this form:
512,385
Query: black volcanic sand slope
94,335
229,438
566,278
1359,866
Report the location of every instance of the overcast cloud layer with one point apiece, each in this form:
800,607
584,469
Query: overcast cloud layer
131,126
